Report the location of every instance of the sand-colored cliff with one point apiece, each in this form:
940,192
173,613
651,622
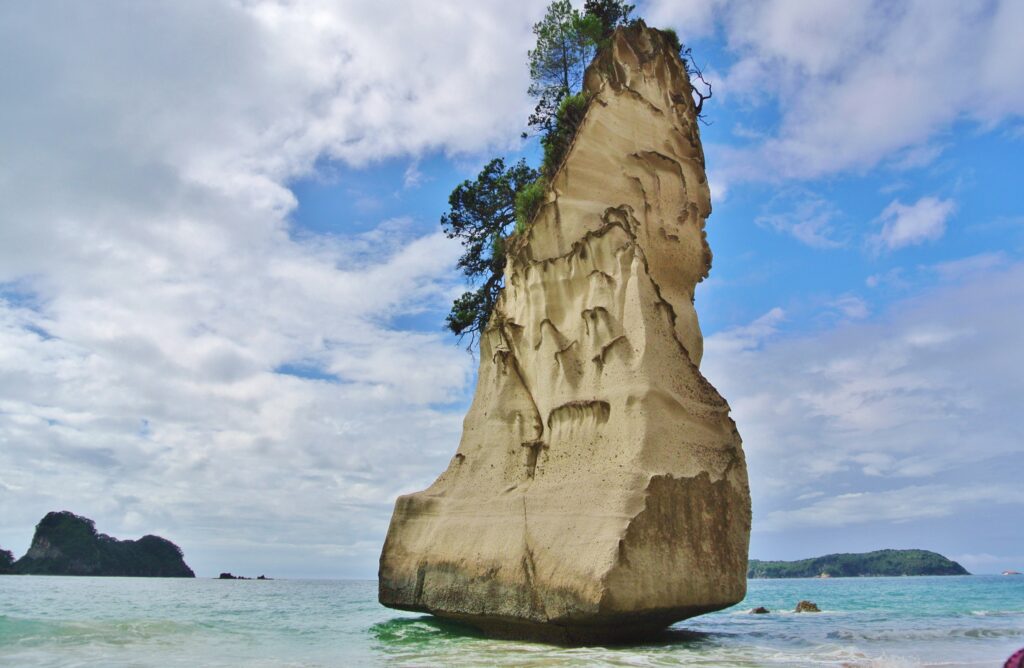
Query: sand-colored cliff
600,490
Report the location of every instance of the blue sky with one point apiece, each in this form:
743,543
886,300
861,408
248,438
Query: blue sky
223,283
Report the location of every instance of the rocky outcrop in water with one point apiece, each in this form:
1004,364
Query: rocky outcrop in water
68,544
599,492
6,562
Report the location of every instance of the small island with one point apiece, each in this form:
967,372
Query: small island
68,544
880,563
6,562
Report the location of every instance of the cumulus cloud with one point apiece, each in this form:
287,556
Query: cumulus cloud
857,83
811,220
912,224
899,401
175,355
904,504
972,265
851,306
746,338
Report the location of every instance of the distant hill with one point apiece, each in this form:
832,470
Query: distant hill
6,561
878,563
68,544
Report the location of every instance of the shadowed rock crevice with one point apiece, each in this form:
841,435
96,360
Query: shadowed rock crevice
599,492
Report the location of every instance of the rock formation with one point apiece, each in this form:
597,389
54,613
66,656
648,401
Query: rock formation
599,492
68,544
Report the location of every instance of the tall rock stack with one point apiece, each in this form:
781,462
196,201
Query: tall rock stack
600,490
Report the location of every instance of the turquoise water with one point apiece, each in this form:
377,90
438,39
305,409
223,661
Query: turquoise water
64,621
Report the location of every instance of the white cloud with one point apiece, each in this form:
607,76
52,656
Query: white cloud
694,18
969,266
913,224
895,277
851,306
811,221
915,393
153,288
857,83
413,177
746,338
904,504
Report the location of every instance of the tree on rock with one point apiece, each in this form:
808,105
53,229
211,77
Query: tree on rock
566,41
610,13
482,214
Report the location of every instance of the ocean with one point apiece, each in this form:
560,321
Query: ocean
78,621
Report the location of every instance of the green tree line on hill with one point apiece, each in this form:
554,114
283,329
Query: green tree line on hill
68,544
878,563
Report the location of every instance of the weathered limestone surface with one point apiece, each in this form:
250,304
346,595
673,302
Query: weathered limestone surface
600,491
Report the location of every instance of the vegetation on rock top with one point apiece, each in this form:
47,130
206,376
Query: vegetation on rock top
501,202
867,564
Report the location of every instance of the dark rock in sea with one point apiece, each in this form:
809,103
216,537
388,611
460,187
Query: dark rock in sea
866,564
6,562
68,544
807,606
229,576
760,610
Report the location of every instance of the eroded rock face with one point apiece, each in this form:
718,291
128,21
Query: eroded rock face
600,491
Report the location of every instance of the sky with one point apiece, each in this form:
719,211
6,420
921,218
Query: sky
223,282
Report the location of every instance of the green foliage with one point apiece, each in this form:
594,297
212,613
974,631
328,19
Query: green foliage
470,311
502,201
482,214
67,544
610,14
528,201
556,142
566,42
878,563
672,37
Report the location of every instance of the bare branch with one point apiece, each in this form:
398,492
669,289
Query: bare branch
695,71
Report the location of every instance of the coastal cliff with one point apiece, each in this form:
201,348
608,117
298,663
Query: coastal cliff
599,491
68,544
